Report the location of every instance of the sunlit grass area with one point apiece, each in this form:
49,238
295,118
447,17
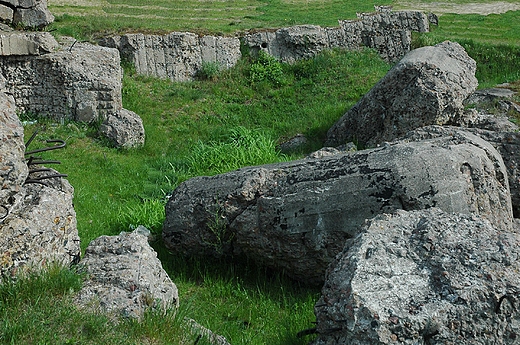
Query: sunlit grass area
225,121
86,20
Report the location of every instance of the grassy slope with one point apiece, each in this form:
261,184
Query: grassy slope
188,122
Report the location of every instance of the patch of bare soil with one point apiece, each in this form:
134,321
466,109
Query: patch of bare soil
469,8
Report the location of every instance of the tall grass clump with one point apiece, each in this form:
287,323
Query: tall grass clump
148,213
240,147
209,71
266,68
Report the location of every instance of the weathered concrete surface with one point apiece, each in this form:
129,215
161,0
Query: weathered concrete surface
125,277
27,13
177,56
26,43
80,82
39,229
37,223
296,216
33,14
180,56
506,143
388,32
492,109
6,13
423,277
428,86
124,129
13,170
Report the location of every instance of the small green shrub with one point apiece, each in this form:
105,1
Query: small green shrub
209,71
266,67
218,227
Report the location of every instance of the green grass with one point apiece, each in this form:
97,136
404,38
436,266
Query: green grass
493,29
38,308
222,121
244,303
202,128
91,19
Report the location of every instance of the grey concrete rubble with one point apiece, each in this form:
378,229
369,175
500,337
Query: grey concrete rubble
507,143
125,277
207,334
25,13
26,43
423,277
76,81
427,87
68,81
414,238
388,32
37,222
177,56
124,129
296,216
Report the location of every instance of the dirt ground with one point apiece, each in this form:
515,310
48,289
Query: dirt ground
81,3
447,7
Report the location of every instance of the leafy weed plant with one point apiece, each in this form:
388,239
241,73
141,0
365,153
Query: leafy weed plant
209,71
266,68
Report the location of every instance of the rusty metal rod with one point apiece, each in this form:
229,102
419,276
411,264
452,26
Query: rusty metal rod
31,139
33,162
55,147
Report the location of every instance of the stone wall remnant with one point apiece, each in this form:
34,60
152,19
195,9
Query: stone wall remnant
388,32
68,81
78,81
177,56
180,55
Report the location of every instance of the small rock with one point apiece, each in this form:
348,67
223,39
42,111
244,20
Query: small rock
125,277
